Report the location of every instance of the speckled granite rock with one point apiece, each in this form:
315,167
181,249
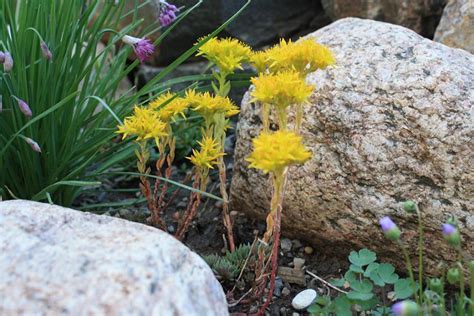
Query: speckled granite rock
56,261
393,120
456,28
422,16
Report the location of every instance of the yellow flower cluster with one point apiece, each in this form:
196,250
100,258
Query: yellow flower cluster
281,90
273,152
207,105
208,155
304,56
169,105
144,124
227,54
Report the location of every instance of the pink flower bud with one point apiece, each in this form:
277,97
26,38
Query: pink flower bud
24,108
34,145
45,51
142,47
8,62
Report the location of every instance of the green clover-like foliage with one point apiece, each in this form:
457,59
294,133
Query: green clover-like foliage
361,290
362,258
381,274
403,289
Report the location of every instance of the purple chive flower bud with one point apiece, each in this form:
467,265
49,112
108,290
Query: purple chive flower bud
24,108
45,51
451,235
167,13
34,145
2,57
389,228
7,62
405,308
142,47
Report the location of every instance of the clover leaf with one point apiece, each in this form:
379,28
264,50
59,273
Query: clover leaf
362,258
403,289
386,272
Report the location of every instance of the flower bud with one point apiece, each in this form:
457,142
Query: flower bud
405,308
34,145
45,51
7,62
409,206
436,285
2,57
389,228
24,108
453,275
451,235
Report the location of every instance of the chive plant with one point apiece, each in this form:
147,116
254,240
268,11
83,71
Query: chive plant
71,87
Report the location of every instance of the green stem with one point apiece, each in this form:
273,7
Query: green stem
461,285
410,271
420,252
471,304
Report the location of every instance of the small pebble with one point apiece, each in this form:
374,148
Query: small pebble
304,299
170,229
218,204
286,291
296,244
285,244
295,314
234,213
298,263
282,311
308,250
182,204
124,212
278,286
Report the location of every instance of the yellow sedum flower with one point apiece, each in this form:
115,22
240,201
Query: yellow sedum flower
144,124
227,54
304,56
260,60
273,152
207,157
281,89
207,105
168,106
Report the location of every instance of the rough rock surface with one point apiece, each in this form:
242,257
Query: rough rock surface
56,261
422,16
393,120
456,28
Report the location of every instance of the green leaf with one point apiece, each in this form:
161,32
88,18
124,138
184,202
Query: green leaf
368,304
350,276
323,300
315,310
362,258
363,286
354,295
386,272
338,282
371,267
342,306
375,277
356,268
403,289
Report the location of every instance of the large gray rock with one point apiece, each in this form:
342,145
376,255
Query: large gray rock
56,261
422,16
393,120
456,28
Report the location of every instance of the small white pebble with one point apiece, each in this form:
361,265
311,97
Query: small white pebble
303,299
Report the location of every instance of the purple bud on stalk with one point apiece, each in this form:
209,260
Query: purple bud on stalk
34,145
389,228
24,108
8,62
45,51
451,234
142,47
2,57
167,13
405,308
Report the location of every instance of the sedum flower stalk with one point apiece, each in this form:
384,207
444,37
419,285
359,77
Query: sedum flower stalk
228,55
273,153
